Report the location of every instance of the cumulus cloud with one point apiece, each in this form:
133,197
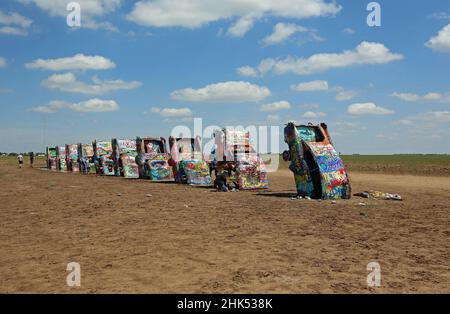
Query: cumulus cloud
197,13
368,108
364,53
429,97
247,71
14,24
343,94
2,62
311,86
282,32
313,115
76,62
91,10
172,112
275,106
440,42
349,31
232,91
68,82
427,120
91,105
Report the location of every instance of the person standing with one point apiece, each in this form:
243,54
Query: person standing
20,159
31,159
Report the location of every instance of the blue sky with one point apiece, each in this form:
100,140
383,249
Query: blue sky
143,67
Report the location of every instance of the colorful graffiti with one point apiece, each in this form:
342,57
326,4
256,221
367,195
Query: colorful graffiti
51,158
72,158
103,158
318,169
196,172
124,157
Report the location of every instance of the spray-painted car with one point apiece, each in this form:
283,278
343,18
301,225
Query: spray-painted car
187,161
318,170
235,153
72,162
86,158
103,160
51,158
153,159
124,157
61,158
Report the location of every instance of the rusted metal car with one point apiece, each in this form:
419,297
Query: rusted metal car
51,158
124,157
187,161
72,161
103,161
61,158
86,158
153,159
318,170
236,157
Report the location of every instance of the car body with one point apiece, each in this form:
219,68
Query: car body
187,161
235,151
72,161
153,159
61,158
124,157
51,158
318,170
103,160
86,158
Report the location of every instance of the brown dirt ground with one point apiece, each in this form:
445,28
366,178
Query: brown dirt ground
185,239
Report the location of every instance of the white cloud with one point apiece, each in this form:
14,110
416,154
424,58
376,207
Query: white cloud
311,86
88,7
282,32
8,30
247,71
172,112
275,106
440,42
313,115
76,62
349,31
342,94
91,105
2,62
440,15
90,10
68,82
273,118
197,13
431,96
232,91
364,53
14,18
368,108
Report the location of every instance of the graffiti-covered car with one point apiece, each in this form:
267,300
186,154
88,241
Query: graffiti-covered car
61,158
318,170
153,159
51,158
187,161
72,162
86,158
103,160
124,157
235,153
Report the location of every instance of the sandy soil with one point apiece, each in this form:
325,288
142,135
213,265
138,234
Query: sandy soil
185,239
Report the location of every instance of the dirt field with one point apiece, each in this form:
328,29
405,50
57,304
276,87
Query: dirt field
185,239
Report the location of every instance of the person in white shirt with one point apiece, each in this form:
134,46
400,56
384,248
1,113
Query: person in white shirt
20,159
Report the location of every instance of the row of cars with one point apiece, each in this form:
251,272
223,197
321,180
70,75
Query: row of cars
149,158
317,167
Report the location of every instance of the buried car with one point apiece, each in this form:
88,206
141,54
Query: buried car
187,161
72,161
124,157
86,158
61,158
51,158
104,163
235,153
153,159
318,170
